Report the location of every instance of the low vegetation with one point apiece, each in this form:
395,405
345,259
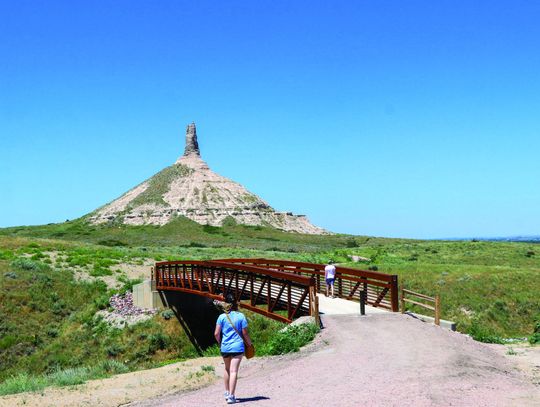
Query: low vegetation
54,278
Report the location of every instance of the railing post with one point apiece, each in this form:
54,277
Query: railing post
394,294
402,301
314,305
317,316
437,310
289,305
362,302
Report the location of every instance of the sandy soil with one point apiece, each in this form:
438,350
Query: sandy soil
378,360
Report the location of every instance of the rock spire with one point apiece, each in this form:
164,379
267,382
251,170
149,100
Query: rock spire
192,146
190,189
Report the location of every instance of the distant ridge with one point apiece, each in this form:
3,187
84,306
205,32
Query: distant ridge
189,188
525,239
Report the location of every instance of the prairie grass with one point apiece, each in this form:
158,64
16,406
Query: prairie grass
24,382
489,288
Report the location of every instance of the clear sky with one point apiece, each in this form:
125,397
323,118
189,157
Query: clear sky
388,118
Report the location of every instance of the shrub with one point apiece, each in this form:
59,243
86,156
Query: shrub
114,350
351,242
158,341
292,339
59,308
481,334
6,254
113,367
52,332
102,301
167,314
196,244
22,383
28,265
70,377
99,271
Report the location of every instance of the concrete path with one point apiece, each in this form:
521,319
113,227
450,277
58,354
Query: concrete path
339,306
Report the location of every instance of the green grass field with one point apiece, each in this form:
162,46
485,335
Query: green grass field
47,323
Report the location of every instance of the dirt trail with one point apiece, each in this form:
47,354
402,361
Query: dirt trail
376,360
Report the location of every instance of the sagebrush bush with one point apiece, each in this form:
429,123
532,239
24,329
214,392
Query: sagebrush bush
29,265
167,314
112,366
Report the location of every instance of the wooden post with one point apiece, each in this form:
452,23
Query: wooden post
437,310
402,301
317,316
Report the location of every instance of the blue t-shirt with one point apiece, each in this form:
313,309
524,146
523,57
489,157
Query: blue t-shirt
231,342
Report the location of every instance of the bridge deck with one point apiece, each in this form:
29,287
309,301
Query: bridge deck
340,306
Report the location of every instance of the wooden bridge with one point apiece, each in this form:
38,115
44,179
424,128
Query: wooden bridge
279,289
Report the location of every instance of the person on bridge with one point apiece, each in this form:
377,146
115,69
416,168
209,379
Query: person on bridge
330,276
227,333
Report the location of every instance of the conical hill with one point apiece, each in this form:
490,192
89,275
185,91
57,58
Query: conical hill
189,188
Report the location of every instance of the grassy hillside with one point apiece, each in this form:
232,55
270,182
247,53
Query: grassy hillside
183,232
47,310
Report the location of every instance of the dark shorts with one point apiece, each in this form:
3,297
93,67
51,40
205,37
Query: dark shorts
330,281
231,354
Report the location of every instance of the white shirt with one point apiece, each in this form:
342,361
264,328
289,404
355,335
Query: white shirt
330,271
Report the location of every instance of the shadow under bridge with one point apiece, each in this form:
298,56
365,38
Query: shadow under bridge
277,294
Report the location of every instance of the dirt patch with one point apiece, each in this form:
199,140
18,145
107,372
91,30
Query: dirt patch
129,270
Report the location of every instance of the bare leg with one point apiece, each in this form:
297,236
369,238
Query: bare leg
332,290
227,374
233,374
327,290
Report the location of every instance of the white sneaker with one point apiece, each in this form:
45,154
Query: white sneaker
226,394
231,399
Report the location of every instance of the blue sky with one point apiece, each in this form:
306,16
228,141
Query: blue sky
389,118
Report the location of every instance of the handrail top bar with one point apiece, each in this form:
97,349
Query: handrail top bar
303,280
316,267
423,296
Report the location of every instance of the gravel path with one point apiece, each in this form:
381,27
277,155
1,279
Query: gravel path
376,360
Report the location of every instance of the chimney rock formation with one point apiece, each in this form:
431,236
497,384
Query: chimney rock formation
192,146
189,188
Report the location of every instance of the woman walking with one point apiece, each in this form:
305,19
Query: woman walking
231,332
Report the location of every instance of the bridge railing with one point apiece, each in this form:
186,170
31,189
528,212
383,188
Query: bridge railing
276,294
381,289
